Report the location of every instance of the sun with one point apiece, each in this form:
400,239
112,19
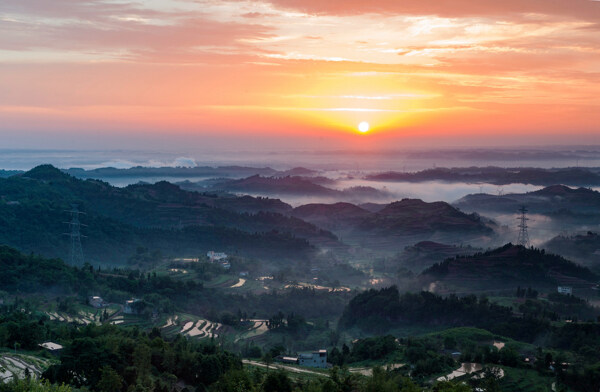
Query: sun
364,127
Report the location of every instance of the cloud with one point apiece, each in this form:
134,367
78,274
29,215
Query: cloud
119,30
126,164
184,162
580,9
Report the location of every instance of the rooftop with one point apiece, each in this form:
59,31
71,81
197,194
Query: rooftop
51,346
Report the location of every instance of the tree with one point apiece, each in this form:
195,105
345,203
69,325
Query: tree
277,382
141,358
110,381
267,359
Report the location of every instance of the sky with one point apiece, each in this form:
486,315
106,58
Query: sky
284,74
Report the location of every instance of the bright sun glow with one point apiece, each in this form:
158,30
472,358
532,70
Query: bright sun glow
363,127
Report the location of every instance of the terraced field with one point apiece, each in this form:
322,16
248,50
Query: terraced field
258,328
19,365
85,315
190,325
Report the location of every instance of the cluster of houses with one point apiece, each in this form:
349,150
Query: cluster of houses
131,306
219,258
315,359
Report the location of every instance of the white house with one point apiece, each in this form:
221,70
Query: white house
54,348
316,359
565,290
216,256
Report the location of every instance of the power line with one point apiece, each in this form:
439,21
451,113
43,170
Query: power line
75,234
523,238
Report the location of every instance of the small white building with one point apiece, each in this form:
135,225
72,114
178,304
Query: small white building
216,256
289,360
565,290
316,359
54,348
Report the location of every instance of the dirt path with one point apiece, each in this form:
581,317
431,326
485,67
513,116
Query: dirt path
240,283
284,367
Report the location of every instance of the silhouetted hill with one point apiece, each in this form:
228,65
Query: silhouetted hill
397,224
8,173
331,216
32,212
572,205
299,171
506,268
46,173
414,216
584,248
424,254
184,172
276,185
373,207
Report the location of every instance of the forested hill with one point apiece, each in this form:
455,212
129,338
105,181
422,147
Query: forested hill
379,311
33,209
28,274
508,267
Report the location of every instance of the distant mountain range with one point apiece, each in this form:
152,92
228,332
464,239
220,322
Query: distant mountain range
498,176
287,186
198,171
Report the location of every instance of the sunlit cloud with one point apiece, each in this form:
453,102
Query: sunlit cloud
414,67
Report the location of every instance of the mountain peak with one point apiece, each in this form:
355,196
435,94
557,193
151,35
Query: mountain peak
46,172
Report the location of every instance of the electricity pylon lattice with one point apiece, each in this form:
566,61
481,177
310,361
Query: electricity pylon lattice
523,235
75,234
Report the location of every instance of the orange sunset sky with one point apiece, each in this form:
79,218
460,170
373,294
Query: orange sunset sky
298,73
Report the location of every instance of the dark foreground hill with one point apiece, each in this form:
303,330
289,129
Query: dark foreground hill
506,268
160,216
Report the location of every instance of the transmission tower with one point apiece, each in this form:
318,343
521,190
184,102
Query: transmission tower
523,235
75,234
